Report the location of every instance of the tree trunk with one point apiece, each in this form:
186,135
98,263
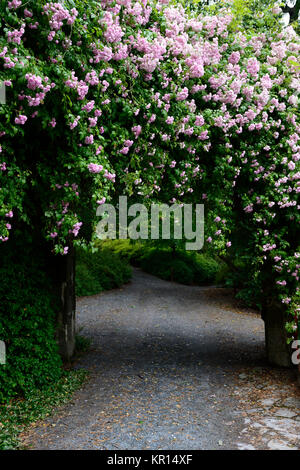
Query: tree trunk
63,274
278,351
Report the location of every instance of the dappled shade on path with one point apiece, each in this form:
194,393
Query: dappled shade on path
167,363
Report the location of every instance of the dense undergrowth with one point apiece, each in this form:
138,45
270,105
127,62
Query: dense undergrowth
166,262
27,324
100,270
16,416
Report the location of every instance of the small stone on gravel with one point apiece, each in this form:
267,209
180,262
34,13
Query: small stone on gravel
284,413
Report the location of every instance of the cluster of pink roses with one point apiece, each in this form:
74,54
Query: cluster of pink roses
201,102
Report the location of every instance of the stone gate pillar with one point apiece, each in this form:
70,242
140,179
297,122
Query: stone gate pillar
278,351
63,273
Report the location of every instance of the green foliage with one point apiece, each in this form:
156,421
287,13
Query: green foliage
86,283
183,267
240,9
205,268
16,416
130,250
240,159
101,270
246,281
166,263
27,326
222,273
82,344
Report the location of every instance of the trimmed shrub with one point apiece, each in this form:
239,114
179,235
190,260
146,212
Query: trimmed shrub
86,283
205,268
99,271
130,250
180,266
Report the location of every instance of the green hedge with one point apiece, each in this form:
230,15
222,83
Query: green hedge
180,266
129,250
186,268
99,271
27,326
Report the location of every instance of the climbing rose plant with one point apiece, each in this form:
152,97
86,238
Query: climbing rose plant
160,102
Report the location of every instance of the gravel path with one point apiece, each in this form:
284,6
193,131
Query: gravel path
173,367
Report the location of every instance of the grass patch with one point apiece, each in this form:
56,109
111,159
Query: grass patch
19,414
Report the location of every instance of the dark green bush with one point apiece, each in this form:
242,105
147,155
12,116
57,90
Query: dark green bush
99,271
182,272
130,250
248,282
222,274
157,262
161,261
205,268
182,267
86,283
27,326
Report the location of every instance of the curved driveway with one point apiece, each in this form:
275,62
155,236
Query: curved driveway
173,367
